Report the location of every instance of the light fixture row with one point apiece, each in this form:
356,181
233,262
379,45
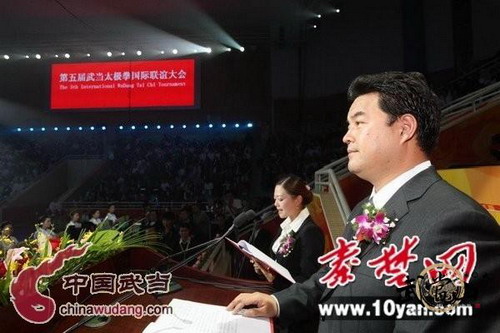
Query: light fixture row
110,53
129,127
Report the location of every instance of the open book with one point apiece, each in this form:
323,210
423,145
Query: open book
194,317
252,252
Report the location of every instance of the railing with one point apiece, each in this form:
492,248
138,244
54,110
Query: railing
451,115
172,205
327,178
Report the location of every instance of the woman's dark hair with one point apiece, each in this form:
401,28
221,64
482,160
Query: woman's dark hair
72,213
4,224
42,218
403,93
295,186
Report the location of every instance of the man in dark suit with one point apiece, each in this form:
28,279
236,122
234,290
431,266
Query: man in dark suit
393,126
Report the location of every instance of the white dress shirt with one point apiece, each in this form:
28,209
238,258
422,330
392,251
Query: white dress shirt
288,225
381,197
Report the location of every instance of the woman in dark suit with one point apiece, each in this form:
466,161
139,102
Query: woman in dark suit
300,241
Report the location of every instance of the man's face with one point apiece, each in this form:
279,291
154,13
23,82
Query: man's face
371,142
184,233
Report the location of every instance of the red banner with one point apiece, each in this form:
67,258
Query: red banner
127,84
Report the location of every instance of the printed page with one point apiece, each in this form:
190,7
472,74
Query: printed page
251,250
194,317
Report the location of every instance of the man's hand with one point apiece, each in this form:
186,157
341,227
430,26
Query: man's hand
265,305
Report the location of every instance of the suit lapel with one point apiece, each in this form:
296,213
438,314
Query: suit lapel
396,208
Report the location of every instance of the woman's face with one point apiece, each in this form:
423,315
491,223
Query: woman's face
7,230
97,214
47,223
286,204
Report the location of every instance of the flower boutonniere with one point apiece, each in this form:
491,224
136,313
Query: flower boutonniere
287,244
372,225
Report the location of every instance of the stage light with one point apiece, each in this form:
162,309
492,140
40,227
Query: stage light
121,128
123,53
195,51
162,52
318,16
31,129
210,125
56,128
6,57
132,127
315,26
197,126
172,126
175,51
109,54
223,125
88,55
80,128
19,129
92,128
158,127
57,56
242,49
228,49
27,56
209,50
139,52
103,128
43,129
237,125
184,126
66,55
336,10
38,56
249,125
68,129
146,127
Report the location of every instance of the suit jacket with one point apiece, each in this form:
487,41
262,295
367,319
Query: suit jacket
302,261
441,216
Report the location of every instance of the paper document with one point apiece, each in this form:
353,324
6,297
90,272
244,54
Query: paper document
263,259
194,317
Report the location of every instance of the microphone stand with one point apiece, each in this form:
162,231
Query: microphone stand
128,295
253,235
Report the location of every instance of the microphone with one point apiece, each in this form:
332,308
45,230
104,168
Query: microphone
241,220
268,215
244,218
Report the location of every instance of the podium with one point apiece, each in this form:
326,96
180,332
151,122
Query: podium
196,286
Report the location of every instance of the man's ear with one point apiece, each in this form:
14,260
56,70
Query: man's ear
407,126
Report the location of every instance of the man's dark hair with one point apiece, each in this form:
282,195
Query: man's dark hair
403,93
185,225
